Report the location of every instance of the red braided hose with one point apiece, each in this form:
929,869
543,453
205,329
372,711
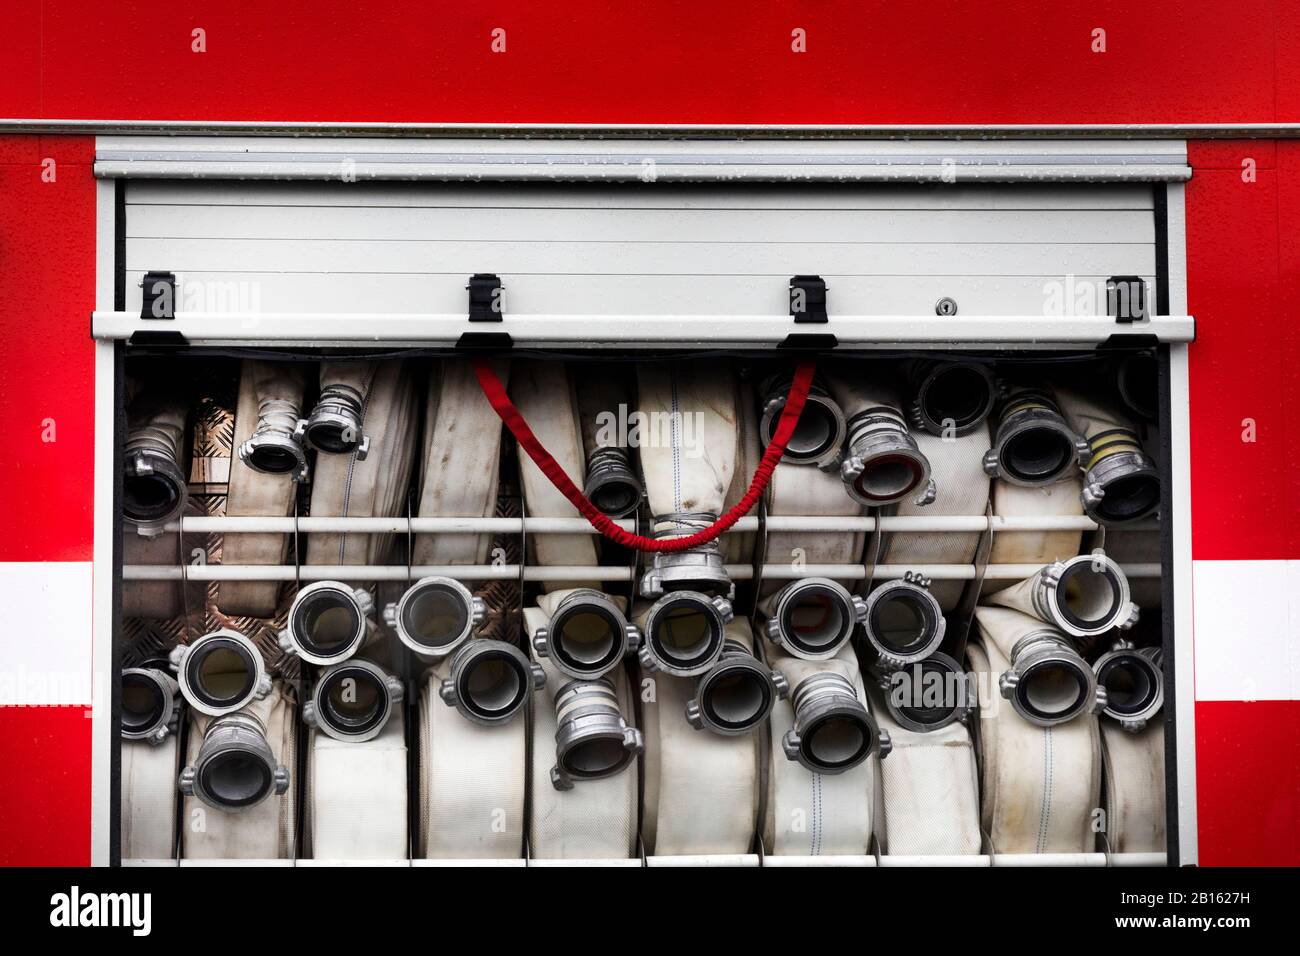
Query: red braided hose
509,414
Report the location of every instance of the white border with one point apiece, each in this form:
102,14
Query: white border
101,627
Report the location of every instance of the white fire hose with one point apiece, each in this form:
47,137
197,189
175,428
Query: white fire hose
1033,444
150,762
155,462
356,796
159,600
738,547
460,463
345,483
810,813
1135,788
1046,681
605,402
882,463
928,800
544,396
1121,482
1041,785
241,766
1084,596
688,449
596,818
701,788
1034,547
268,462
961,488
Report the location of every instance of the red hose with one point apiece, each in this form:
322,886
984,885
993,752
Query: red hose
501,404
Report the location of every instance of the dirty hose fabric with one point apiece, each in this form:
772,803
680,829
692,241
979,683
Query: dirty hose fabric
1135,787
262,386
149,799
1041,785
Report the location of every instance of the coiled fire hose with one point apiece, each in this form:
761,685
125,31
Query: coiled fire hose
1040,784
700,789
596,818
928,790
241,806
811,813
495,391
347,484
1135,788
544,396
264,473
150,762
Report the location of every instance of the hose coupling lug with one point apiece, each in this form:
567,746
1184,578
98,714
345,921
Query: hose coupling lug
927,496
781,683
885,745
309,714
541,642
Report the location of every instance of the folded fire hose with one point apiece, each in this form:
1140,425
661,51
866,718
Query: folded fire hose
365,436
1034,547
882,463
1121,483
961,488
269,461
592,815
738,546
238,802
801,490
927,791
150,707
544,396
701,788
605,402
826,724
1041,786
1135,788
356,796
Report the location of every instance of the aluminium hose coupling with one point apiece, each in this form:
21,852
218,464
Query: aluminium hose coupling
930,694
1121,482
700,568
153,485
814,617
903,621
612,483
818,437
883,464
735,695
490,681
1083,596
275,447
833,730
1134,681
587,636
435,616
684,633
1048,683
353,701
148,703
335,424
592,740
950,398
220,673
1032,442
235,768
327,622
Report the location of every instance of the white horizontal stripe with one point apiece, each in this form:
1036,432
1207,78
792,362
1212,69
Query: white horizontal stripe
45,653
1247,616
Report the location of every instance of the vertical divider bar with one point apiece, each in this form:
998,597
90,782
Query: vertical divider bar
1169,663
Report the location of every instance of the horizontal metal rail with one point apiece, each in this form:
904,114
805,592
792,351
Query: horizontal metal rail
775,523
513,572
444,330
